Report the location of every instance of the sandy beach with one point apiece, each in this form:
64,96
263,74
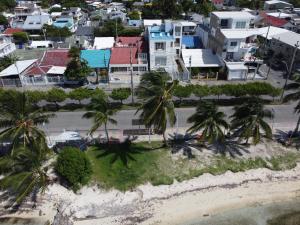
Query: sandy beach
178,203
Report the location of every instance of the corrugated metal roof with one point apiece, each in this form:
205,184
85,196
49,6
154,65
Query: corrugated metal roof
122,55
17,68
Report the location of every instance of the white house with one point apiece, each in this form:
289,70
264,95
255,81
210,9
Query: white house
165,43
6,46
103,42
14,74
276,4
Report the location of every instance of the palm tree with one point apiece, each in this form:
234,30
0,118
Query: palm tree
209,120
248,121
295,97
20,121
101,112
24,172
156,90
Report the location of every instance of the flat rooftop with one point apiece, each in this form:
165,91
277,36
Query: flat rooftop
233,15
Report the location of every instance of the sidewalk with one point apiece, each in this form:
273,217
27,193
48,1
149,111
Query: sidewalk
118,134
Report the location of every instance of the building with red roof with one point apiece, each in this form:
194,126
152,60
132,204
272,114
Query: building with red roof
49,69
128,53
218,3
10,31
268,20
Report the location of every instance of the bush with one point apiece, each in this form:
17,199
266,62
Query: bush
201,91
183,92
74,166
120,94
79,94
134,15
35,97
20,37
56,95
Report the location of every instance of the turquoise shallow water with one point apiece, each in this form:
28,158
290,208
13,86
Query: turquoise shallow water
284,213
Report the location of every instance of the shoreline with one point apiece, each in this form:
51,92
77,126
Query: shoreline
179,203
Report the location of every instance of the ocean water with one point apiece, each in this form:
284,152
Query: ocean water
283,213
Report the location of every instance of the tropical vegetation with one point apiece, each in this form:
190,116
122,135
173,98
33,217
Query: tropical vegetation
294,96
77,69
20,121
101,113
248,121
156,91
74,166
209,121
120,94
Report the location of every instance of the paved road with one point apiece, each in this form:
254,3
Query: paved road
284,119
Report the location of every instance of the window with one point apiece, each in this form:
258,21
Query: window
135,68
143,68
229,55
177,31
233,43
118,69
160,61
224,23
159,46
143,55
171,45
240,24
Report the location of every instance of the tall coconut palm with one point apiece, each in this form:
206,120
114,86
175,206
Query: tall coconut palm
156,91
295,96
210,121
248,121
20,120
24,172
101,113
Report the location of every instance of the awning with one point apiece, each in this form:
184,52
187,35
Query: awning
57,70
200,58
236,66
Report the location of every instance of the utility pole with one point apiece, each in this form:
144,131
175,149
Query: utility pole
190,61
290,69
293,58
131,75
116,29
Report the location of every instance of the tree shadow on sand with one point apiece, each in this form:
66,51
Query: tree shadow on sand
288,138
185,143
230,146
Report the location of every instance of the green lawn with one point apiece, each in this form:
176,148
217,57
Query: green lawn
126,166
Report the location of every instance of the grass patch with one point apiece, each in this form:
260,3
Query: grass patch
125,166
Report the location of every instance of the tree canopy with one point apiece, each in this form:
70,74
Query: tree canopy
52,31
77,69
120,94
3,20
73,165
110,28
20,37
7,5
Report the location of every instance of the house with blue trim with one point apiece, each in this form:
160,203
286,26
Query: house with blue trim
67,22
